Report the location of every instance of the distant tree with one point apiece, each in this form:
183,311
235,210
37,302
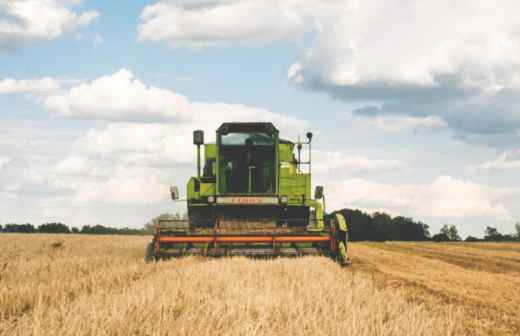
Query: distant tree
100,229
97,229
130,231
381,226
492,234
53,228
441,237
471,239
75,229
517,228
0,228
23,228
451,232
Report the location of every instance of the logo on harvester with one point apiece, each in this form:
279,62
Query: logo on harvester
247,200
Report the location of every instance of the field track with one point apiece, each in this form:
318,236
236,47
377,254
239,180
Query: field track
99,285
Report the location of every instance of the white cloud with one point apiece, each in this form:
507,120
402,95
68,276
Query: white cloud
142,144
342,164
440,63
79,166
41,85
444,198
26,20
18,177
475,40
222,23
124,185
402,122
508,160
123,97
452,61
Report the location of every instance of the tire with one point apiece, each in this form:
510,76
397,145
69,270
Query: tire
149,254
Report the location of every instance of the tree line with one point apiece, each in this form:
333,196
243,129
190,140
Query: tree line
147,228
62,228
378,226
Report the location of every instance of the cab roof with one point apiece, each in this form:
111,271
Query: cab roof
239,127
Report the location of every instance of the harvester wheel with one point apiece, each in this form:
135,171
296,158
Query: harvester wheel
149,255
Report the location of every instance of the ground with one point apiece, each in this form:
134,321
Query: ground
99,285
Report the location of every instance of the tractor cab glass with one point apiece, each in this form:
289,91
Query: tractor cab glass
247,162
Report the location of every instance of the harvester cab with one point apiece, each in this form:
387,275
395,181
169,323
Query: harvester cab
252,197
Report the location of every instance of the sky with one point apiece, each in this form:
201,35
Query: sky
415,105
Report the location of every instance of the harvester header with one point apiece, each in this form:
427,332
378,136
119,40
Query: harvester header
252,197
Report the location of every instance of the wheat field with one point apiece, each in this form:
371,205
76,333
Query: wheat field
99,285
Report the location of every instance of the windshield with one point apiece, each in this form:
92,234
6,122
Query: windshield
253,138
247,163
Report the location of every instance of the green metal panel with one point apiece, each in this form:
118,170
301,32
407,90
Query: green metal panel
276,163
285,152
210,151
207,189
190,189
217,164
342,223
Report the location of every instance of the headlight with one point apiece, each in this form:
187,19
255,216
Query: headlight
284,200
211,199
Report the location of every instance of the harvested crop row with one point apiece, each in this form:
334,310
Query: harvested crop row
489,300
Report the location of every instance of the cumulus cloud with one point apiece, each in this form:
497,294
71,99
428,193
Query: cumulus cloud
22,21
460,68
140,144
205,24
401,122
429,64
123,97
41,85
341,164
18,177
444,198
124,185
509,160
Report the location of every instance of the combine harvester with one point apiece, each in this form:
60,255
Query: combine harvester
254,199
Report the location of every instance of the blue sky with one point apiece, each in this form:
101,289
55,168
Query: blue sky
411,117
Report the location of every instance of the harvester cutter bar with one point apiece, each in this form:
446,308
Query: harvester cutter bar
244,239
249,252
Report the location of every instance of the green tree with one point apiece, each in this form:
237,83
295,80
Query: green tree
53,228
441,237
451,232
492,234
23,228
380,227
471,239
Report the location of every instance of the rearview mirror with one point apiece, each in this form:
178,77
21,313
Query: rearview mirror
198,137
174,191
318,192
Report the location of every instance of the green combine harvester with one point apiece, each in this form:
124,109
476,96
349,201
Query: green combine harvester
252,198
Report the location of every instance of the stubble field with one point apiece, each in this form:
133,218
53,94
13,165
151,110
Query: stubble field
99,285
